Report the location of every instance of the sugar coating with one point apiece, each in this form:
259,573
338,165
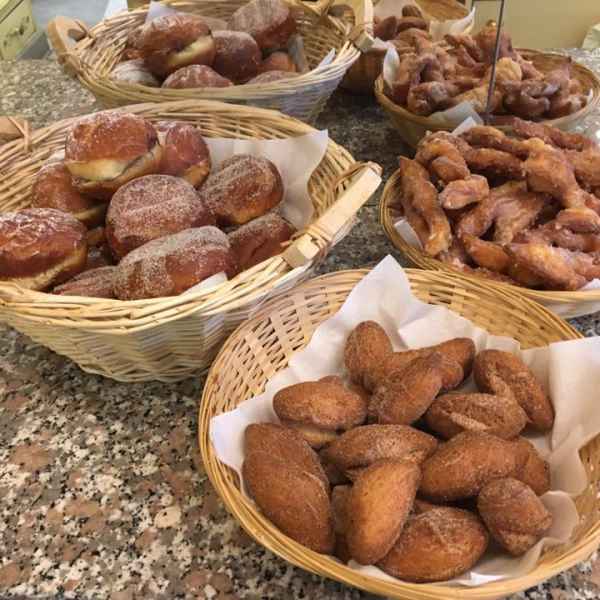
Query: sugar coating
259,16
95,283
271,76
134,71
195,76
267,227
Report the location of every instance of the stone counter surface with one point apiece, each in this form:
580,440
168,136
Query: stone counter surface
102,489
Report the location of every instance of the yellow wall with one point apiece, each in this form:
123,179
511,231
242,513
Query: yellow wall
543,23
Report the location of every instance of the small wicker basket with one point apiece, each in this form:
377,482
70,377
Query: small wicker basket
361,76
567,304
412,128
171,338
263,346
91,54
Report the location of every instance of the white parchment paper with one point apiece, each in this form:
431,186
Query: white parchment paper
570,371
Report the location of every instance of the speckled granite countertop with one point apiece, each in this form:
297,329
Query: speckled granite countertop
102,490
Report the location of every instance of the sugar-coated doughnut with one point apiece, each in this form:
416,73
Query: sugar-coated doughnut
172,264
53,188
134,71
195,76
269,22
243,188
151,207
272,76
237,57
278,61
105,150
95,283
173,41
40,247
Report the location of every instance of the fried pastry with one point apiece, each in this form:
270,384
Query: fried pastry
462,192
433,148
495,163
482,136
586,164
487,255
517,214
533,470
551,135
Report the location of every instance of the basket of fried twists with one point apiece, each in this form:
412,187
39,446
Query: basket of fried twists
521,212
388,462
437,84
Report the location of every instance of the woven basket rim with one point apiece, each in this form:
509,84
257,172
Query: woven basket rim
401,112
246,513
423,261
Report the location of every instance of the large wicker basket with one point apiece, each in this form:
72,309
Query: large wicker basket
567,304
263,346
97,50
361,76
171,338
413,127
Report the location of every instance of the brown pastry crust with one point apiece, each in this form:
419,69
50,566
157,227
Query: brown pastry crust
515,516
463,465
278,61
452,414
503,373
53,188
260,239
170,265
40,247
243,188
237,57
173,41
272,76
533,469
378,505
270,22
152,207
95,283
134,72
437,545
195,76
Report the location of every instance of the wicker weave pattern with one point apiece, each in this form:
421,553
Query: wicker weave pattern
93,58
264,346
170,338
389,214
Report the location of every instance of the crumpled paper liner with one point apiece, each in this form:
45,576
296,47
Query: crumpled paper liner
570,371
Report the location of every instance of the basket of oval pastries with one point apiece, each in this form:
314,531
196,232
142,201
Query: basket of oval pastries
267,53
523,213
392,462
435,85
133,241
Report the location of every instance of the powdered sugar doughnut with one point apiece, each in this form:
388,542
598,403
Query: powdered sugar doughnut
278,61
238,56
172,264
195,76
95,283
134,71
244,187
151,207
272,76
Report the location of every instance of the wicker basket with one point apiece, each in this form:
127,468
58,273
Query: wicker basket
263,346
361,76
97,50
413,127
171,338
567,304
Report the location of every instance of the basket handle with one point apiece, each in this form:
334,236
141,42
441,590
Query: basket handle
362,32
63,34
366,178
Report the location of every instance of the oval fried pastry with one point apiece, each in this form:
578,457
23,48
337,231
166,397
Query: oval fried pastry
339,506
533,470
437,545
378,506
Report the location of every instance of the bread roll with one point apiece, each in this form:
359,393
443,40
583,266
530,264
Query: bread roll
515,516
260,239
173,41
452,414
533,469
437,545
40,247
170,265
95,283
269,22
378,505
362,446
134,72
503,373
185,153
243,188
152,207
105,150
53,188
195,76
238,56
463,465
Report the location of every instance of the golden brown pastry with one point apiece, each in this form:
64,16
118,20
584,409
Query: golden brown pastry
462,192
436,545
195,76
339,506
533,470
378,505
134,72
278,61
238,57
94,283
515,516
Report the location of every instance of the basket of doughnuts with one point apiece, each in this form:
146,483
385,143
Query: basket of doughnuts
437,85
521,211
398,26
286,55
134,240
375,465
